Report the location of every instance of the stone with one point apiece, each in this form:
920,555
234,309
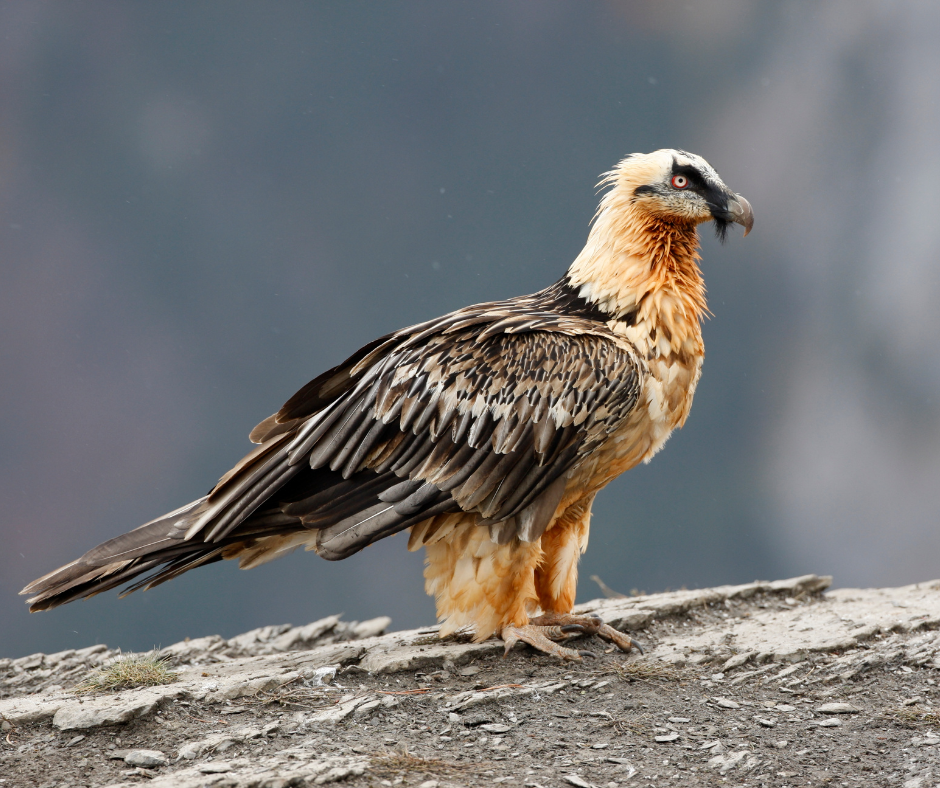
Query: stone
25,710
365,709
832,722
339,712
496,727
215,767
190,751
146,759
725,763
667,737
736,661
725,703
573,779
766,723
837,708
111,709
371,628
396,657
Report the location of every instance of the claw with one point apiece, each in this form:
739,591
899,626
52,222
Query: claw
545,631
535,636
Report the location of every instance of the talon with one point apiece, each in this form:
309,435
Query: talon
637,646
544,633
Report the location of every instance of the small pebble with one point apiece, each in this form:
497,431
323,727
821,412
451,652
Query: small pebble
837,708
679,720
76,740
781,744
190,751
724,703
471,671
784,707
668,737
495,727
429,784
832,722
601,745
765,722
215,767
148,759
573,779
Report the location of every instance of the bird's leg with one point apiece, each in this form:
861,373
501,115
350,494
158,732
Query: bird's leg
544,632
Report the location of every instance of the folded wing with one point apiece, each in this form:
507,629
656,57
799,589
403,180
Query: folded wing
485,411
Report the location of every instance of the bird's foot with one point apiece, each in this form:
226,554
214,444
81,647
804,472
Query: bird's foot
546,631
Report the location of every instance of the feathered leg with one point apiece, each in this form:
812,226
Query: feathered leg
556,580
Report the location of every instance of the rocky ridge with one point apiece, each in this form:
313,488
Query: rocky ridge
742,680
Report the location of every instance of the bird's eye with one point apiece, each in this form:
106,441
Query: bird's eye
680,181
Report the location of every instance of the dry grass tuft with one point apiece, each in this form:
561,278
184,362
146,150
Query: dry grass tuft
400,762
131,670
646,670
913,717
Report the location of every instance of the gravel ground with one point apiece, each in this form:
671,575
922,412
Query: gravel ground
705,705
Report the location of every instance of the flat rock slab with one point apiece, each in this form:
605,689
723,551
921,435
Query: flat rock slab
111,709
844,619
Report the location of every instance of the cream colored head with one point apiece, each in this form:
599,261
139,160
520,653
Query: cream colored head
673,185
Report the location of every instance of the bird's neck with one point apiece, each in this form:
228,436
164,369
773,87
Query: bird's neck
643,270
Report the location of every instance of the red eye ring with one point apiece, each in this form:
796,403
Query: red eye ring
680,181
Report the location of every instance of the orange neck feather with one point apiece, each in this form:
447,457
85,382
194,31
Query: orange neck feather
636,262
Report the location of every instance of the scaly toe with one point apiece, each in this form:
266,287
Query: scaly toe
535,636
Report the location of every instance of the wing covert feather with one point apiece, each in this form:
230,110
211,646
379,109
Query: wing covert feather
483,411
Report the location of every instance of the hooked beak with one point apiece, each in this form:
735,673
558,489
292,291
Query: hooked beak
739,211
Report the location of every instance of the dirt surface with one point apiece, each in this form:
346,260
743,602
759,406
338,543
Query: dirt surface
766,684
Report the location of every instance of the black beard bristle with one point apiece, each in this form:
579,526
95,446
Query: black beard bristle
721,229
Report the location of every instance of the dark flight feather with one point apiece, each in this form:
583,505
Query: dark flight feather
485,410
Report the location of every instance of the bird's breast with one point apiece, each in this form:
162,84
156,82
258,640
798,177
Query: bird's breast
668,375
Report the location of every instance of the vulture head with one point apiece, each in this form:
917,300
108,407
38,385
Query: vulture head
678,186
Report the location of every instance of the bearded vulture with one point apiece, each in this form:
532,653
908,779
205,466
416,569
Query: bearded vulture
485,433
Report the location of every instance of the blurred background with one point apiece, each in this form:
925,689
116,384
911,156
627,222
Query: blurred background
205,204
